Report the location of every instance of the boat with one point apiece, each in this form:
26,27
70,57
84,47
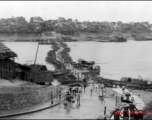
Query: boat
84,62
89,65
111,39
103,39
88,39
120,39
132,83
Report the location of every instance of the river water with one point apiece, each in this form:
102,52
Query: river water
127,59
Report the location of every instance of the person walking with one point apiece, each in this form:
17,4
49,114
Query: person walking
99,86
85,87
93,87
84,84
70,89
102,87
123,90
96,86
78,99
51,97
69,97
80,90
59,95
77,89
73,91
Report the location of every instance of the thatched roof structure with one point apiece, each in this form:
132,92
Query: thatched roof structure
5,52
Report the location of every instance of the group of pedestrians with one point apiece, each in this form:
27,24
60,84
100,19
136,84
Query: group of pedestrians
97,87
73,94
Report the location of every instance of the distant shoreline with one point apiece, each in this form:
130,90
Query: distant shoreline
75,38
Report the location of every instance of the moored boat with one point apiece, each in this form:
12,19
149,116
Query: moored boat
110,39
103,39
128,82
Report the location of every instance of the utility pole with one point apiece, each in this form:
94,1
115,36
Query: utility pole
36,57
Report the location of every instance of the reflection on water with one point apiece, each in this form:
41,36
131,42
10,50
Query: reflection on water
128,59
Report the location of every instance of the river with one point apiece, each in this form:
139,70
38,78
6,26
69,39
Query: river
127,59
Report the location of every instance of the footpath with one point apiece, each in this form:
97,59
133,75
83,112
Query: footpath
31,109
90,108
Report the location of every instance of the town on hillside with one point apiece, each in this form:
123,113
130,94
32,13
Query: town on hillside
85,30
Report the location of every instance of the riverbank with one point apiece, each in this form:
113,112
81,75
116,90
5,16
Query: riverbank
146,96
80,37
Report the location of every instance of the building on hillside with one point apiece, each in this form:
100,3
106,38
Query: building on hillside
7,65
20,20
131,23
75,21
69,20
61,19
49,36
36,19
4,22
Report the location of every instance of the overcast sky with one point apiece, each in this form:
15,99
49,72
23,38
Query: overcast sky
125,11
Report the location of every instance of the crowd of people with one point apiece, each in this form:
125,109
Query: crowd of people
73,94
128,107
98,87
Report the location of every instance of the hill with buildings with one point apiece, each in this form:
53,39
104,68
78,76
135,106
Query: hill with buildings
20,28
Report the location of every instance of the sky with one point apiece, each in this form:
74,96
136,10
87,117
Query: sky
125,11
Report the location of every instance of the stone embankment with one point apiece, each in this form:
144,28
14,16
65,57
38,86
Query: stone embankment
20,97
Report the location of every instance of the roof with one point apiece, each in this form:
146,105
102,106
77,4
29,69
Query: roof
25,67
37,19
5,52
38,67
